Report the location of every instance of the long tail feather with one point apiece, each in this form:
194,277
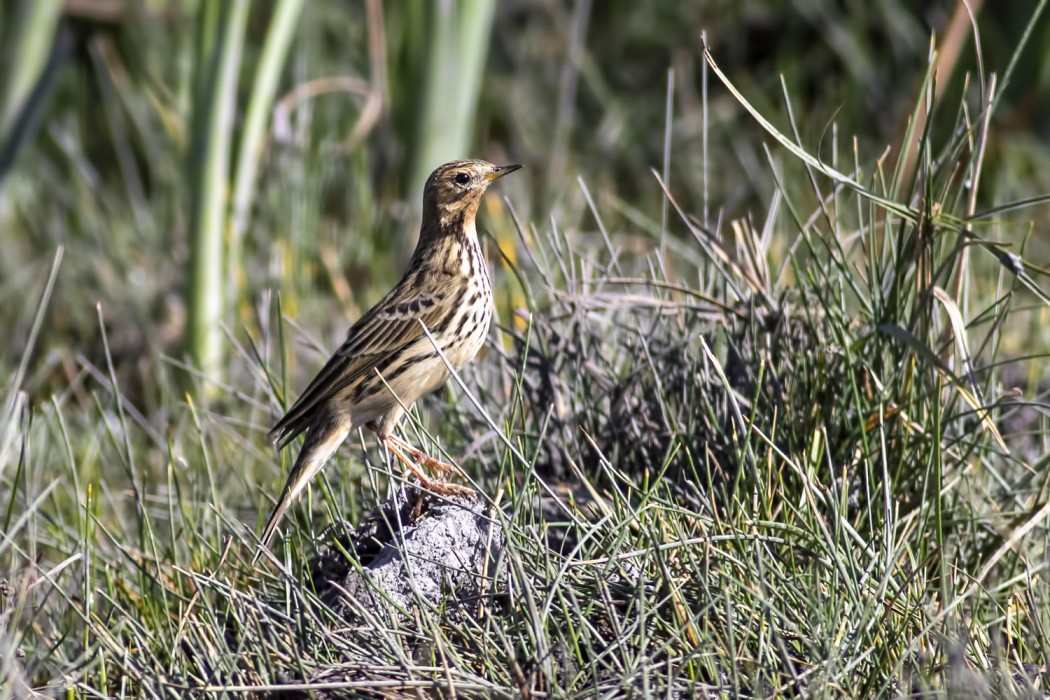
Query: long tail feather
321,443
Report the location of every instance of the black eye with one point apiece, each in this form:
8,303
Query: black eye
462,178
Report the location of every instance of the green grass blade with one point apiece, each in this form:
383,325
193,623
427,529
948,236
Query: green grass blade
209,176
279,36
11,411
33,35
458,35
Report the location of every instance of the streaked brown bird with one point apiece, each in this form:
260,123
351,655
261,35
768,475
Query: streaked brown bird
387,362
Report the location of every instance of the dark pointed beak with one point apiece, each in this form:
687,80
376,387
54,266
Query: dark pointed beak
501,170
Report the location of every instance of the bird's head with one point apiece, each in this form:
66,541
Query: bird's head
453,193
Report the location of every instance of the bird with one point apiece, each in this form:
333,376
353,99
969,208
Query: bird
387,361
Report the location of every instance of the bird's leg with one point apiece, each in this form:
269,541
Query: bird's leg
425,460
413,468
395,445
436,485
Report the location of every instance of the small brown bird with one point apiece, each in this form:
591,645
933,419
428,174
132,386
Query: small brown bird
387,362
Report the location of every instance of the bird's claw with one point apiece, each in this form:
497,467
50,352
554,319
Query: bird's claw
425,461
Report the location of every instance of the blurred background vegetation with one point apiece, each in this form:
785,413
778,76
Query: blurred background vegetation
204,166
190,156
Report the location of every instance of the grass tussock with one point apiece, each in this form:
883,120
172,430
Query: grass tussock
798,453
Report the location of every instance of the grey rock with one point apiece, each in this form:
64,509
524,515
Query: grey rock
415,548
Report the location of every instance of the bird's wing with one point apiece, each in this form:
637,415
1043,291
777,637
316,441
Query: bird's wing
385,329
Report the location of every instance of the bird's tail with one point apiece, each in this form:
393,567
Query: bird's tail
321,443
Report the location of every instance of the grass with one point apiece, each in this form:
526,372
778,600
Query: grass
798,450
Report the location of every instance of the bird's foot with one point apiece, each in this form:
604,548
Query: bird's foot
442,487
422,459
399,448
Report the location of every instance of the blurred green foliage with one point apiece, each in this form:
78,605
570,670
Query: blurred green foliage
137,485
97,128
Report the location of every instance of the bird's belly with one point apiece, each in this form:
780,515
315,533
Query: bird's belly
424,373
460,352
461,349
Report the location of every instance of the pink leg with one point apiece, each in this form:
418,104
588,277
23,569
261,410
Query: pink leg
396,445
423,459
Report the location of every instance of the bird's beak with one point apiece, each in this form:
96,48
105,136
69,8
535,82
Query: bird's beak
501,170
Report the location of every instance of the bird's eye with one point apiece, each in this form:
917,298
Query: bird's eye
462,178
